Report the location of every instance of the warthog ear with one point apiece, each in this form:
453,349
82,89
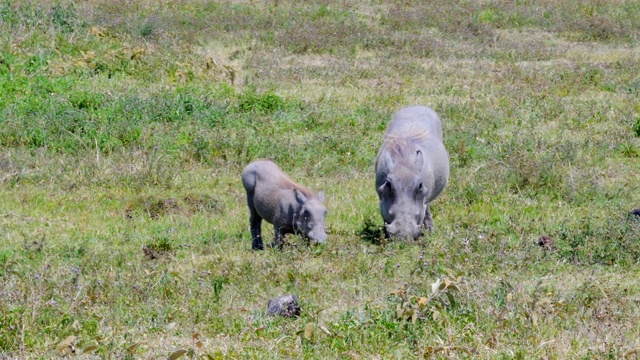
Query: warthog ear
385,187
419,159
388,159
300,197
320,196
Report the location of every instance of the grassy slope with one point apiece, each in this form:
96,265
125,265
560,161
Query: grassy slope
124,126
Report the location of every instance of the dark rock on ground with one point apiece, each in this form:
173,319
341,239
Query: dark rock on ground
286,305
546,242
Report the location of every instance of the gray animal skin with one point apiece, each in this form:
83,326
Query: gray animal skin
412,169
290,207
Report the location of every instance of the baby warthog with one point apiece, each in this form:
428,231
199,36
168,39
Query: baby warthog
290,207
412,169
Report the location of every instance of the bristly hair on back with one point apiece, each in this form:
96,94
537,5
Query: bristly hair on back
399,145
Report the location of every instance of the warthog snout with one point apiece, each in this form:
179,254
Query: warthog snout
406,231
317,236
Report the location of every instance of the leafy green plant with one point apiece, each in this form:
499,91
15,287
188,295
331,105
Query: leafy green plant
261,103
432,306
147,28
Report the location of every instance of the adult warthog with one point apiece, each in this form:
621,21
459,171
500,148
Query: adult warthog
412,169
289,206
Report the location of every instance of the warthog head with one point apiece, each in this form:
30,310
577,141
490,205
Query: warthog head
402,203
310,219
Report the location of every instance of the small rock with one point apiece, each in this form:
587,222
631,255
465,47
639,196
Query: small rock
286,305
545,242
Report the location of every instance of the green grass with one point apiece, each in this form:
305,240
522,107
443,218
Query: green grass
124,127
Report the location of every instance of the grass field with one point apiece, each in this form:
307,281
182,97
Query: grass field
124,126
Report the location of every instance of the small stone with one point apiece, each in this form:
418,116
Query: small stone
286,306
545,242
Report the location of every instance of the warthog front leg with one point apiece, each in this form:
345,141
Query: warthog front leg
256,236
255,222
428,219
278,237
